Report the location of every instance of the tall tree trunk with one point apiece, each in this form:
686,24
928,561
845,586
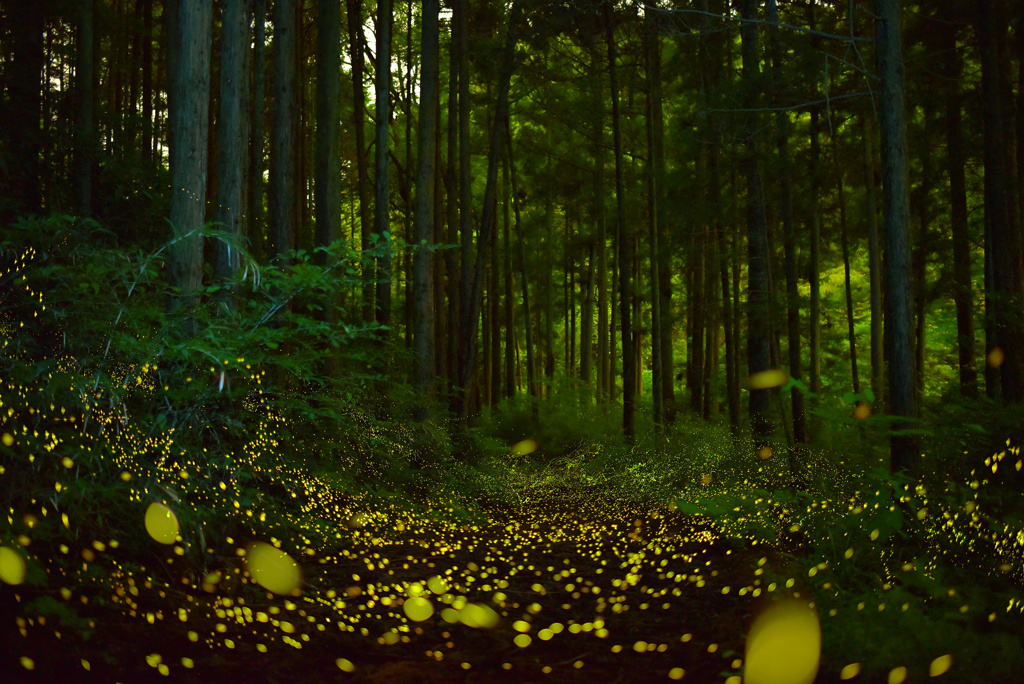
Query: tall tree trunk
471,305
460,34
24,105
452,190
920,261
188,153
814,267
603,332
624,246
327,189
86,130
257,139
508,299
963,295
423,300
849,289
234,132
1005,293
874,265
146,7
782,132
531,366
356,40
896,213
382,201
655,180
758,345
284,137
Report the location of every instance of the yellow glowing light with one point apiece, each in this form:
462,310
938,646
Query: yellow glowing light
345,665
940,665
862,411
273,569
477,615
767,379
898,675
784,645
418,608
28,663
764,453
995,357
8,439
438,585
527,446
12,566
850,671
522,640
161,523
676,673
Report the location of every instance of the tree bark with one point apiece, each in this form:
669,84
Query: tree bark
234,132
874,266
257,139
758,345
86,129
382,202
188,154
896,217
284,138
327,190
655,180
423,258
963,296
624,246
356,49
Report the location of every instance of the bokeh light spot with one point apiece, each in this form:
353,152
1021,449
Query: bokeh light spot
161,523
273,569
784,645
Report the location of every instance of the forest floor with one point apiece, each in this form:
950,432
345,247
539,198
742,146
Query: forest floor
569,585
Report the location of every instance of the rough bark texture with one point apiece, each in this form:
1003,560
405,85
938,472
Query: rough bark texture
256,141
356,42
188,153
896,220
874,267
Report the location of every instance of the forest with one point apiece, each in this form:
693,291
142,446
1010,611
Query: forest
520,341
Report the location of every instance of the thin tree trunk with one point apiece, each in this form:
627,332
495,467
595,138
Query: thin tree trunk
654,180
814,267
874,266
471,308
624,247
963,296
382,200
849,289
423,259
510,380
357,41
86,86
531,367
452,190
758,347
460,17
603,331
146,7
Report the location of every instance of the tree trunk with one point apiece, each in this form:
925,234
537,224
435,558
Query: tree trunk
510,380
284,138
257,140
963,295
624,246
86,130
758,344
849,290
531,367
452,190
874,266
356,40
603,332
24,81
1006,294
896,215
146,7
327,191
382,203
655,180
188,154
460,34
471,305
234,132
